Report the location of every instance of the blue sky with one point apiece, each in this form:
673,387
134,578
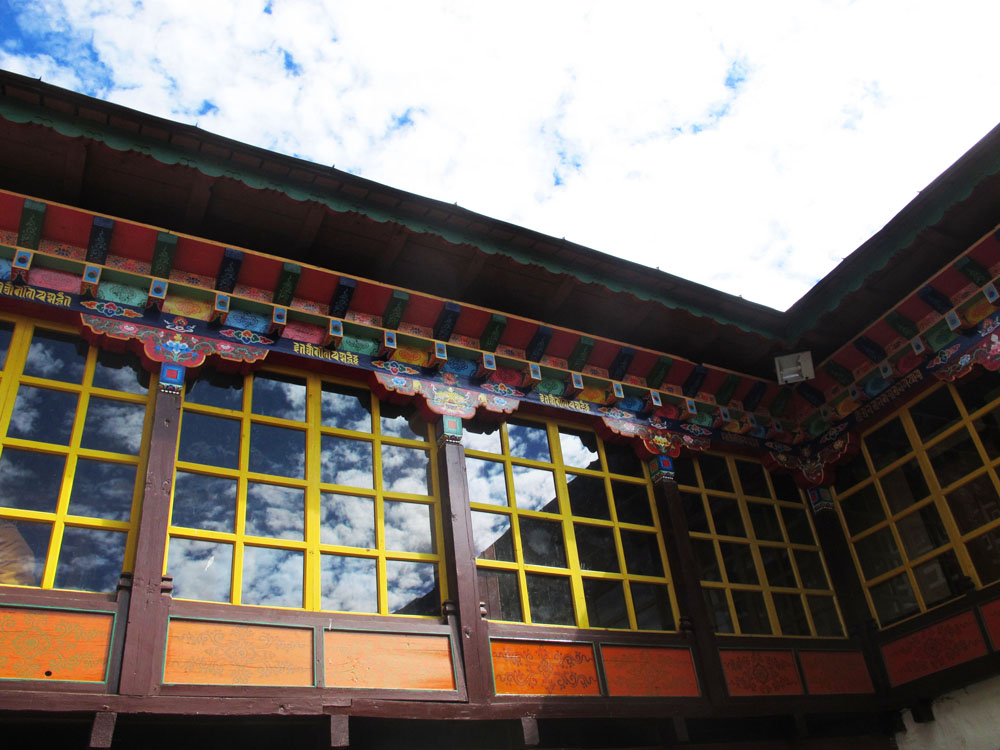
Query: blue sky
746,146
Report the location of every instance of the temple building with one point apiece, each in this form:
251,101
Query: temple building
289,456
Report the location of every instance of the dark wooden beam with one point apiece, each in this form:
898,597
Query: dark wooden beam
76,166
558,297
392,249
340,735
469,274
102,731
197,202
529,731
309,228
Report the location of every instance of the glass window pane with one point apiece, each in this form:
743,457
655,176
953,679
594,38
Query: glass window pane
272,577
120,372
708,563
579,449
791,614
894,599
877,553
349,584
542,542
43,414
715,473
276,512
985,553
409,527
528,440
887,444
492,536
6,333
102,490
954,457
535,489
209,440
904,486
201,570
279,396
694,509
851,473
347,520
90,559
934,413
596,548
824,614
862,510
622,460
402,421
726,514
797,526
632,503
499,591
974,504
346,462
764,519
718,610
642,553
939,579
30,480
346,408
778,567
113,426
738,562
481,436
751,613
23,547
213,388
56,356
587,496
811,569
277,450
752,479
785,488
988,429
486,481
979,388
413,588
921,531
684,472
605,602
651,603
549,600
406,470
204,502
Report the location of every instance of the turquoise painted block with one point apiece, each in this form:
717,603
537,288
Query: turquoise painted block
123,294
248,320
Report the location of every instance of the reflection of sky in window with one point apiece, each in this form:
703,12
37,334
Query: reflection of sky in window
90,559
277,450
272,577
56,356
276,512
30,480
528,441
347,520
349,584
409,527
279,396
486,481
43,414
492,537
347,462
120,372
542,542
579,449
346,408
478,436
204,502
213,388
201,570
405,470
23,546
6,332
402,422
113,426
413,588
535,489
102,490
209,440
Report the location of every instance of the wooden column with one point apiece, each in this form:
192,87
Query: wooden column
145,630
460,559
694,617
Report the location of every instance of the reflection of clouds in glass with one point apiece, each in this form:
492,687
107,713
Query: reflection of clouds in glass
120,372
409,527
276,512
579,449
209,440
56,356
402,422
30,480
90,559
278,451
346,462
43,414
347,520
542,542
528,441
346,408
535,489
413,588
349,584
102,490
484,440
492,536
203,502
213,388
405,470
272,577
201,570
113,426
277,396
486,481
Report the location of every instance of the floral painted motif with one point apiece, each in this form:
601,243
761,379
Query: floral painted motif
501,389
127,264
110,309
245,336
396,368
657,442
180,325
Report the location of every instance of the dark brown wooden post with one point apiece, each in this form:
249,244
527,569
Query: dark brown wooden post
102,730
145,630
340,731
694,617
460,558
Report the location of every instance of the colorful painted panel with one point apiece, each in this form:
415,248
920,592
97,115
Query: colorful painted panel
761,672
634,670
835,672
393,661
223,653
932,649
991,615
540,668
42,644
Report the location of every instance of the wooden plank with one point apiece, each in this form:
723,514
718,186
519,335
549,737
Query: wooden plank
638,671
758,672
835,672
45,644
395,661
932,649
544,668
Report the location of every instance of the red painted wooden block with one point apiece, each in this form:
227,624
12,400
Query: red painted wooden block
946,644
835,672
760,672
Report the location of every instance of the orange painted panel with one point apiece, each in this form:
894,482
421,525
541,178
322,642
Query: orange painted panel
393,661
991,616
46,644
761,672
636,670
946,644
835,672
541,668
227,653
